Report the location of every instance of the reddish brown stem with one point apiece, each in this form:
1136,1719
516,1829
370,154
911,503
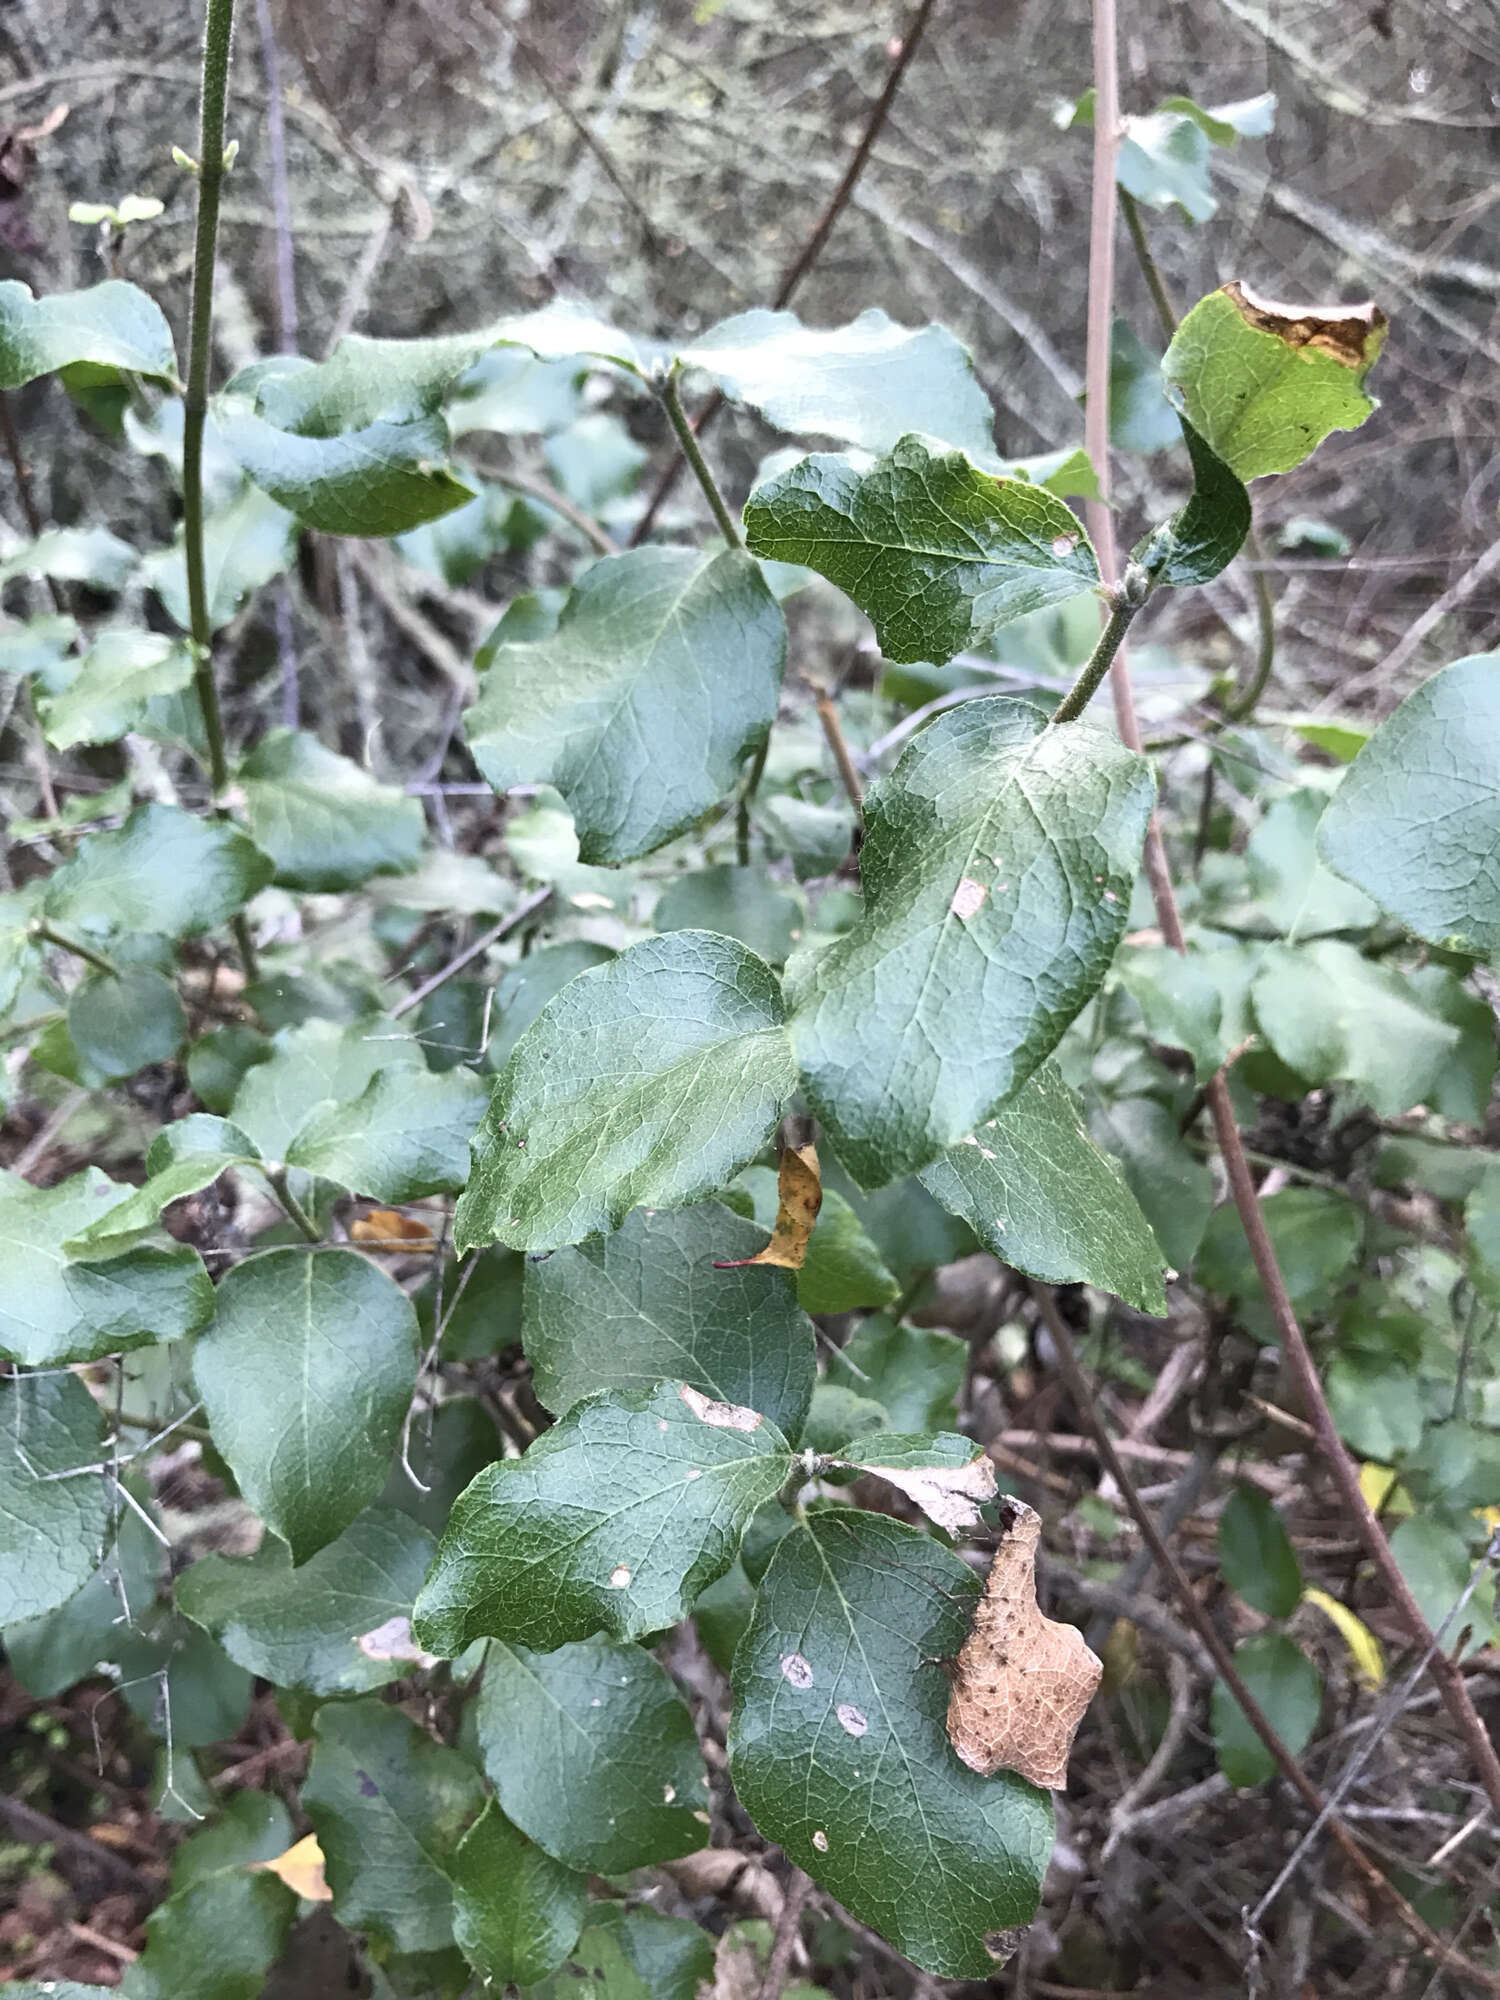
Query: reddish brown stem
811,250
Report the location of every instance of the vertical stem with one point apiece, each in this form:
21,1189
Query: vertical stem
671,397
747,799
218,28
833,733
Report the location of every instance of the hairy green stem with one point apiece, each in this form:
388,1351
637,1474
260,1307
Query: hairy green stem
1166,313
218,32
1121,614
48,935
296,1213
671,397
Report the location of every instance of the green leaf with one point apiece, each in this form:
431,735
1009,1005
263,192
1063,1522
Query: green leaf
324,821
1286,1685
121,671
645,1305
1438,1565
740,903
613,1521
1296,892
245,544
1173,1186
1416,821
1482,1228
48,1655
843,1270
1205,534
868,383
74,555
1264,383
389,1807
56,1527
354,446
1140,417
838,1414
1163,159
517,395
517,1913
338,1625
592,1752
314,1062
648,1081
54,1311
174,1673
1039,1193
121,1021
184,1157
1316,1236
998,863
306,1375
405,1136
661,677
1377,1405
445,1452
1333,1015
112,325
949,1477
1256,1554
839,1750
936,552
816,837
223,1926
633,1954
163,871
526,988
913,1373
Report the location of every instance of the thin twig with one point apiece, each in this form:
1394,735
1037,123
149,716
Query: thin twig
692,451
30,1825
467,956
812,249
828,715
548,495
784,1942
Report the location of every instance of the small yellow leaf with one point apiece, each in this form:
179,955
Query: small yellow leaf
387,1229
301,1868
1489,1515
1364,1647
799,1196
1379,1484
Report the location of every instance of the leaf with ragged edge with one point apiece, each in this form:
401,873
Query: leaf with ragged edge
647,1082
948,1476
306,1375
914,1373
613,1521
1285,1683
337,1625
389,1806
56,1528
1207,532
113,325
936,552
869,383
998,862
517,1913
406,1135
245,543
1023,1681
163,871
1256,1554
226,1920
1333,1016
324,821
843,1270
838,1748
592,1752
1039,1193
661,676
1264,383
315,1062
185,1156
1416,821
647,1304
54,1310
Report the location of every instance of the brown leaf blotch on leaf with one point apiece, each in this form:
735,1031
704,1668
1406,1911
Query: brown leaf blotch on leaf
1022,1681
799,1196
1350,334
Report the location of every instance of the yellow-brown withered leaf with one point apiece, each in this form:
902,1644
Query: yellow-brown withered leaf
388,1229
799,1196
301,1868
1022,1681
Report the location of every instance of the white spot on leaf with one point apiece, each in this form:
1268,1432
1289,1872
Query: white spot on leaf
393,1641
1064,545
619,1577
820,1841
951,1495
723,1416
967,898
795,1669
852,1718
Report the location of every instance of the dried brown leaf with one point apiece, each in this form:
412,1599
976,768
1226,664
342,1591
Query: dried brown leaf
1022,1680
799,1196
387,1229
